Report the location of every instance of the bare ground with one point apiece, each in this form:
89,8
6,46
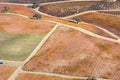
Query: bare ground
20,25
6,71
26,76
109,22
74,53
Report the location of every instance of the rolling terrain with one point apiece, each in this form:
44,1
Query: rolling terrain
28,1
109,22
69,8
71,52
80,41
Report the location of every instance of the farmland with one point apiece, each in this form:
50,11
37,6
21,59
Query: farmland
6,71
24,25
19,46
28,76
109,22
117,13
17,42
66,9
70,8
59,40
28,1
19,9
74,52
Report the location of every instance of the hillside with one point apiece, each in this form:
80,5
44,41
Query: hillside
107,5
28,1
70,8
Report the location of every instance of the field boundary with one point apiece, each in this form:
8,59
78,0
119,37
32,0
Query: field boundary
41,43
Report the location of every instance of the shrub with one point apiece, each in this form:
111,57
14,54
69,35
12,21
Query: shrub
77,20
6,9
35,5
36,16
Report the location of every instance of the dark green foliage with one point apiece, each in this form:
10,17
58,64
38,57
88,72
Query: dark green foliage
77,20
35,5
36,16
6,9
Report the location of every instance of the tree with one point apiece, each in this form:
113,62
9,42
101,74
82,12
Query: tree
6,9
35,5
77,20
37,16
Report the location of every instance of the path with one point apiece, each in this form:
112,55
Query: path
87,32
59,75
12,63
16,72
19,69
85,12
41,43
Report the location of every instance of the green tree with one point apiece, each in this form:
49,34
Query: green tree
6,9
37,16
77,20
35,5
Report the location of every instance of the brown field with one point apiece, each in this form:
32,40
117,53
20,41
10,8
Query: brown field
71,52
20,25
109,22
28,1
117,13
6,71
67,8
26,76
81,25
19,9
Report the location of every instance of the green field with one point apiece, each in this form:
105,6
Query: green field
18,47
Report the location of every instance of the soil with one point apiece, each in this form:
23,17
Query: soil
26,76
19,9
109,22
116,13
81,25
71,52
20,25
6,71
70,8
67,8
29,1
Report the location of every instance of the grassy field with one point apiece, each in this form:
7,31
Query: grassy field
18,46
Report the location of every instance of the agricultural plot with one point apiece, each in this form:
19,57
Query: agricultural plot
67,8
18,46
27,76
18,42
89,27
29,1
109,22
70,8
18,9
71,52
6,71
117,13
